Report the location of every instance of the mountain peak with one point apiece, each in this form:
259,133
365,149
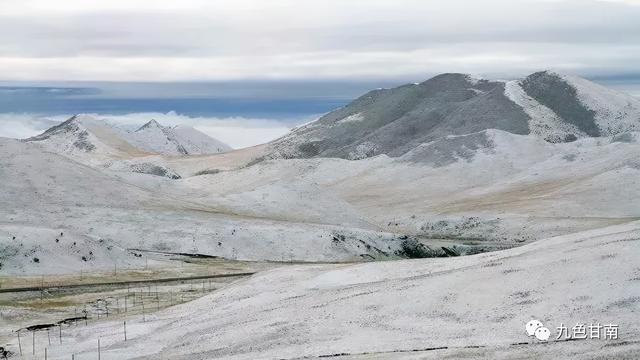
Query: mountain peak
174,140
150,125
70,125
73,121
451,79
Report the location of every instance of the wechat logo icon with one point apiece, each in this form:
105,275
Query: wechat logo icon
535,328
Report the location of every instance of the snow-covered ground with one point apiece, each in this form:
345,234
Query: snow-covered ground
473,306
52,194
507,190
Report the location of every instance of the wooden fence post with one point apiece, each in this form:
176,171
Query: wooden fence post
19,343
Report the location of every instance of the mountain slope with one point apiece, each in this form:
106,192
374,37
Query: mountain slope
467,307
179,140
490,187
394,121
87,139
46,194
614,111
477,192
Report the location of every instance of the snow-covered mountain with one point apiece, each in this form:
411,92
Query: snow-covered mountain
178,140
555,107
99,143
88,137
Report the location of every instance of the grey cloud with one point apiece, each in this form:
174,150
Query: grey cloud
328,39
401,28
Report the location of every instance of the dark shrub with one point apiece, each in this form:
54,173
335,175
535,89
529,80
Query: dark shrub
413,249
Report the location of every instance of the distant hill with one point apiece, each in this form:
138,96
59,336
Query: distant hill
85,134
178,140
98,143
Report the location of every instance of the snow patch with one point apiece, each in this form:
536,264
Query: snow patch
351,118
363,151
616,112
544,122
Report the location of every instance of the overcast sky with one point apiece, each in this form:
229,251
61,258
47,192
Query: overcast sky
209,40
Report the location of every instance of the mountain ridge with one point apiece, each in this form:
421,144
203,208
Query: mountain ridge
101,144
87,134
558,108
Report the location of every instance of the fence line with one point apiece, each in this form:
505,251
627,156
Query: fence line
132,304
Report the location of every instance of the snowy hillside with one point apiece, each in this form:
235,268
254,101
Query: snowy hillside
46,250
96,210
179,140
555,107
474,306
477,192
491,186
615,112
87,139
